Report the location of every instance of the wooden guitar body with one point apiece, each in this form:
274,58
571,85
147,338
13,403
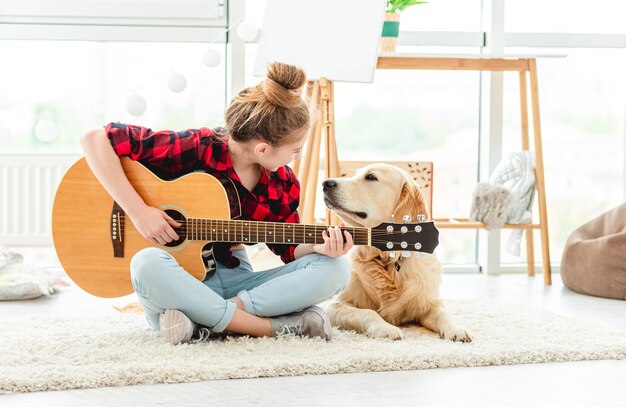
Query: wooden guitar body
82,224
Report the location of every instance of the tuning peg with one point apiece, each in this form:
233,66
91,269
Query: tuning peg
392,253
392,217
406,218
406,253
419,255
421,218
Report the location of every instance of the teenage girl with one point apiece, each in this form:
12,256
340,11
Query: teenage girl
266,128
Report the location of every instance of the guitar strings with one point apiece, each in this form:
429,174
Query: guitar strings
297,238
210,226
204,224
299,233
238,221
359,239
299,230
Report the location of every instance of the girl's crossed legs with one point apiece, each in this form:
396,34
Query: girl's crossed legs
161,283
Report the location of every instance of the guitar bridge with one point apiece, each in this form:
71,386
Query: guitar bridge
117,230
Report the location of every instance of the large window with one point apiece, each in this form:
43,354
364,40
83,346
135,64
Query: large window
565,16
68,66
78,85
449,15
583,115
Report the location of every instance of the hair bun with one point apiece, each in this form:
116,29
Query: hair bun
283,85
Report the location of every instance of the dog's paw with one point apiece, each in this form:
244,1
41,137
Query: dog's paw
456,333
384,331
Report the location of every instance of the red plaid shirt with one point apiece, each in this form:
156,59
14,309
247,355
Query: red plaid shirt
171,154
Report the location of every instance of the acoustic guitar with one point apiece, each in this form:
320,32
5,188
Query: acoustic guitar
95,241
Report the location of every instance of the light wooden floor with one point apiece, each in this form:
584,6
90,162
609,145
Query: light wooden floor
593,383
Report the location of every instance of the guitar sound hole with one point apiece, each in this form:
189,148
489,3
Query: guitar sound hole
181,231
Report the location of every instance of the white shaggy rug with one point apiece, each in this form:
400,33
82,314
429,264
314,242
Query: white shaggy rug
53,353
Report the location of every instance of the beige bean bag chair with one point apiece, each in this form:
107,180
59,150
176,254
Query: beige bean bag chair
594,259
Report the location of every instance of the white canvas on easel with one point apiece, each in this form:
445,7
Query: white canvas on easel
332,39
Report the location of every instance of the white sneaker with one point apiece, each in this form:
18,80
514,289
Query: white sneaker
177,328
311,322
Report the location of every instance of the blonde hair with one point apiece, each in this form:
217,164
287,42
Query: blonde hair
272,110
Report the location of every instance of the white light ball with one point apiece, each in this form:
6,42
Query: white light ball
94,118
136,105
46,130
5,135
247,31
211,58
177,83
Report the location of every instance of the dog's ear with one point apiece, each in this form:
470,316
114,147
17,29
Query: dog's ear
366,253
411,201
369,254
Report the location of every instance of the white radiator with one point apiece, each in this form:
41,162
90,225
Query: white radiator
28,183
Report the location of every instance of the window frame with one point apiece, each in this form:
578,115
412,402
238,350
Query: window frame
165,13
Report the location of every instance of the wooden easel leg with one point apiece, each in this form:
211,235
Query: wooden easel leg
523,91
320,98
311,183
334,156
541,188
301,166
305,171
332,160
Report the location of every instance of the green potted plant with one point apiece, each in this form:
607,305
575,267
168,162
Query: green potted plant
391,26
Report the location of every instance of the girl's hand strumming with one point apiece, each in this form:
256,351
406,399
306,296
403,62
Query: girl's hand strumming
155,225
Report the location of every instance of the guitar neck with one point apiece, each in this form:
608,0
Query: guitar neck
220,230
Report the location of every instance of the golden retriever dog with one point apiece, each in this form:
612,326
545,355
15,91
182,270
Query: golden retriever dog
385,292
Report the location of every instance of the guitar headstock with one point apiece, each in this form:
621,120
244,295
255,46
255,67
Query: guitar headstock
421,237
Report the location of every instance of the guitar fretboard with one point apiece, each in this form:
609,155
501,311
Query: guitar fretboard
219,230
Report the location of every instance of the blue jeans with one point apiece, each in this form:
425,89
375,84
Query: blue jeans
161,283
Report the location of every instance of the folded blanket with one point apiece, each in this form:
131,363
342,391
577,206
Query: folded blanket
507,197
516,173
594,258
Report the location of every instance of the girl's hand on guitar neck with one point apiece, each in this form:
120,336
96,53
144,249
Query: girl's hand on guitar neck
155,225
335,244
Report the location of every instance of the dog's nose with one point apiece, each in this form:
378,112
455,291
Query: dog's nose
328,184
